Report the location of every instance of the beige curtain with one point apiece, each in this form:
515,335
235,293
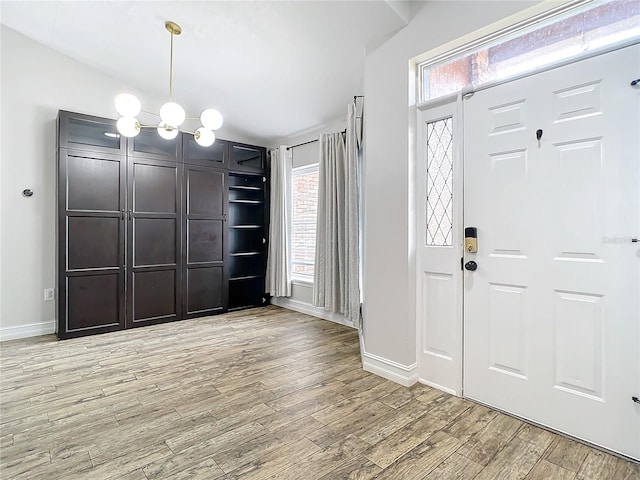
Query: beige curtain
336,284
278,276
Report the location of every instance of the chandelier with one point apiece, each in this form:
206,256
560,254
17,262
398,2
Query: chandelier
172,115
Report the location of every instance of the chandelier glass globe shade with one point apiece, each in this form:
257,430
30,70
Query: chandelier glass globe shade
166,131
127,105
128,126
172,114
204,137
211,119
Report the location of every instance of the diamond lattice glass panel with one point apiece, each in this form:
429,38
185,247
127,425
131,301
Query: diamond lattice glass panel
440,183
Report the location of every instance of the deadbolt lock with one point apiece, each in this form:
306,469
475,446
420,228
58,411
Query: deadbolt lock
471,240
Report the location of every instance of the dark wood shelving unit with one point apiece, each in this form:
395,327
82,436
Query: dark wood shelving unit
248,238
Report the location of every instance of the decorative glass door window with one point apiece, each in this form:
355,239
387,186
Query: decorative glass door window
439,199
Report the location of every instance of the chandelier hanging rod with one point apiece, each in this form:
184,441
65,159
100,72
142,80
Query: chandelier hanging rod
174,29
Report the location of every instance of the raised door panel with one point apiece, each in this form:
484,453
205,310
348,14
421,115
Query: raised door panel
204,289
204,241
93,242
154,296
154,285
93,302
91,234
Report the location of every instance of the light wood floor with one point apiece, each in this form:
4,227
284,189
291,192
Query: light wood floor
259,394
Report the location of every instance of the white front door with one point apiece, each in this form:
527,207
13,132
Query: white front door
552,313
439,210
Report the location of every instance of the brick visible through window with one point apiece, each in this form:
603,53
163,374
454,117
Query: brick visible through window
303,221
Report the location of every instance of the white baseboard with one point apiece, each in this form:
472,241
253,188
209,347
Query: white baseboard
303,307
405,375
29,330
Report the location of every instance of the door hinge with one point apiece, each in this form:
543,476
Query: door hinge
462,264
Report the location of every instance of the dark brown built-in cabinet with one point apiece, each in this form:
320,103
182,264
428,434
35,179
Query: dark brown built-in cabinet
153,230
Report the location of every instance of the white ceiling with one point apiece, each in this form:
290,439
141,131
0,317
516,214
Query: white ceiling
273,68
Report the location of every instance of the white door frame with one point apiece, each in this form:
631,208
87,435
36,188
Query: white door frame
447,359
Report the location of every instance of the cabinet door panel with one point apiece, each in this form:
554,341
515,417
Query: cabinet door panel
205,192
93,183
154,241
204,287
213,156
86,132
148,144
94,242
155,188
155,287
204,240
93,301
154,295
90,243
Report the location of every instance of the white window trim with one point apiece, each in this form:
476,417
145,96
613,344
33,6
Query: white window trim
296,278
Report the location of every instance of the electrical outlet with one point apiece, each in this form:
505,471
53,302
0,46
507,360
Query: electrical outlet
49,294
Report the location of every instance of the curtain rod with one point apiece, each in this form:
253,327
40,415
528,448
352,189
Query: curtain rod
311,141
355,97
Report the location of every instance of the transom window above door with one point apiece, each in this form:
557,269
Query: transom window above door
548,39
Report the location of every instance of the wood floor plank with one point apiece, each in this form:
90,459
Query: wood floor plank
538,436
260,393
78,463
567,453
485,444
184,466
252,450
359,421
393,421
466,426
125,464
134,475
274,461
385,452
178,441
358,468
544,470
450,408
6,440
22,466
513,462
602,466
455,467
423,459
324,461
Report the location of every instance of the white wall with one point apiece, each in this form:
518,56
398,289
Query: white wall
389,257
36,82
301,299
